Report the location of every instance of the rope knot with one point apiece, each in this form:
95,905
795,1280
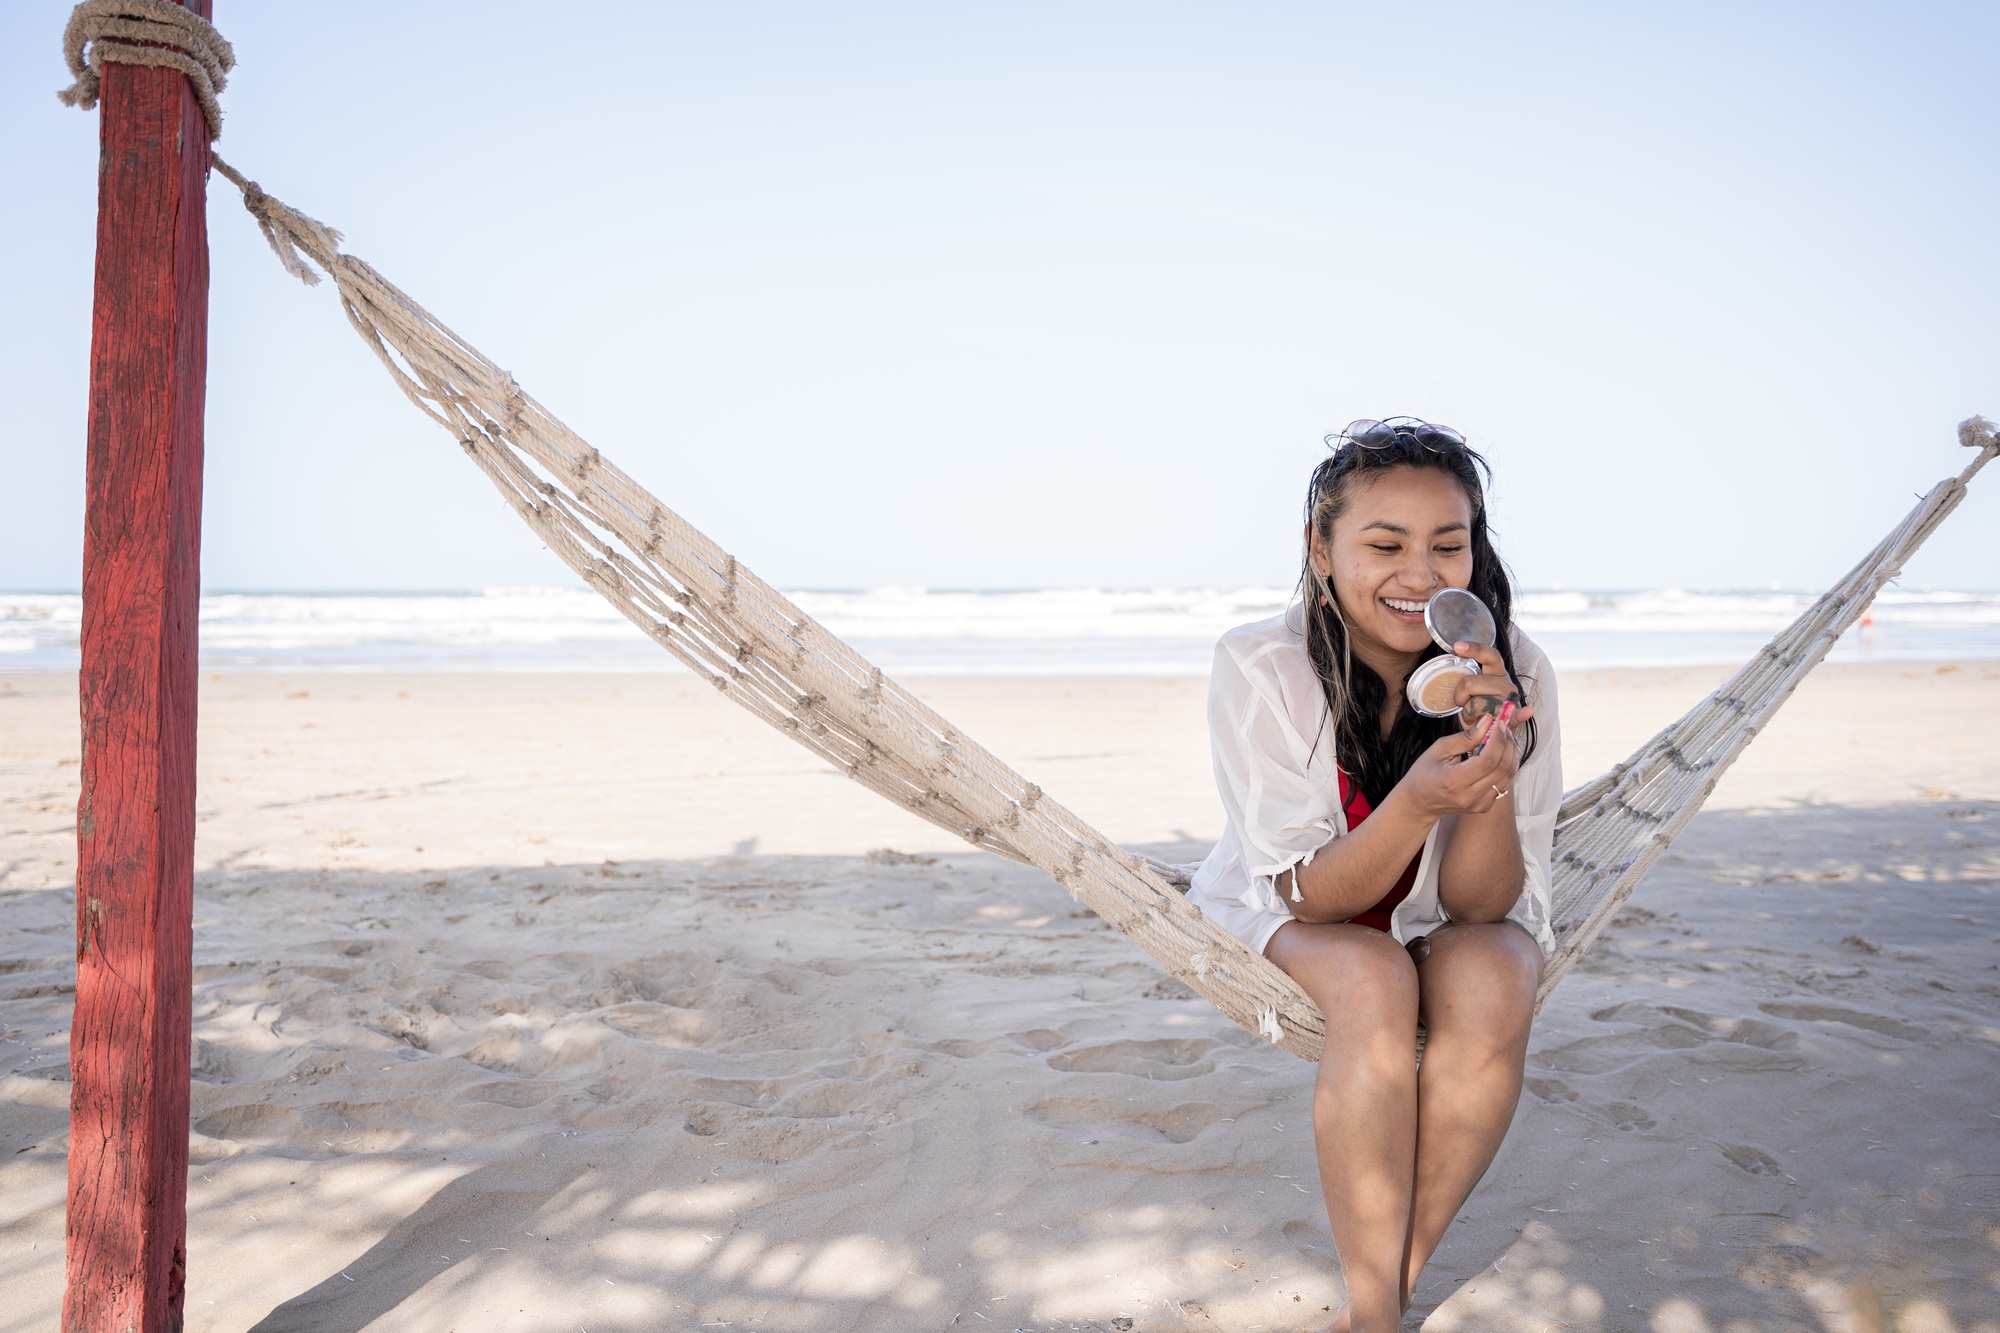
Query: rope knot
294,237
158,33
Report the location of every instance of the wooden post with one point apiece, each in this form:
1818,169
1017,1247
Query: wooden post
130,1041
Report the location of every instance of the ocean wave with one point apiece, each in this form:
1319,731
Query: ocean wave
1158,630
1671,610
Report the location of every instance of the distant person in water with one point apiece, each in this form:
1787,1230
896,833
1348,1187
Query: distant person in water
1396,875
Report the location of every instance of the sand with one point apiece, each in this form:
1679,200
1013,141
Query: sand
531,1003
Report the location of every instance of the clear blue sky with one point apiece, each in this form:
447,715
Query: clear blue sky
1066,294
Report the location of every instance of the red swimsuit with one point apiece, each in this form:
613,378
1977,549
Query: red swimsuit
1355,803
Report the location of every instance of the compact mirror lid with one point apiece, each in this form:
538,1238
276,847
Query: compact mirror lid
1454,615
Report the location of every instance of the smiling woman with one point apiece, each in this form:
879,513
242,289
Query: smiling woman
1395,864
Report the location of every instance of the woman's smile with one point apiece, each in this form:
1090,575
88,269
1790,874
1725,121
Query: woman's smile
1397,631
1405,534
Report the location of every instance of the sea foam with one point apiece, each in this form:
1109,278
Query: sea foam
1160,631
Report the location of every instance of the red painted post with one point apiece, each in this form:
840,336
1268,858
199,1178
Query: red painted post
130,1041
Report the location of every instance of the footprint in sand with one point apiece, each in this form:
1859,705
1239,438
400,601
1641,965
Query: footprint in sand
519,1095
313,1131
767,1137
1165,1059
1622,1115
737,1092
1178,1124
769,1109
1724,1027
1830,1013
826,1099
960,1048
1754,1160
258,1122
881,1056
660,1024
867,1066
1745,1044
1627,1116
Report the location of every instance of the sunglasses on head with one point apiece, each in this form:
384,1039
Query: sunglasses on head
1371,434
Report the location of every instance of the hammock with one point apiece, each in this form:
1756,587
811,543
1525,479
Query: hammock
747,640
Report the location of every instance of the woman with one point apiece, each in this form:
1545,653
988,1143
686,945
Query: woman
1396,875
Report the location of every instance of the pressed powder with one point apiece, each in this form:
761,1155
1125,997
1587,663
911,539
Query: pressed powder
1433,689
1452,616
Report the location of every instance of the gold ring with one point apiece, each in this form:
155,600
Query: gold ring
1497,793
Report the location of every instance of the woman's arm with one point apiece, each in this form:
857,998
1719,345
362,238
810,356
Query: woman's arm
1481,872
1351,874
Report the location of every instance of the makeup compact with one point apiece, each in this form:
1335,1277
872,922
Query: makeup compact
1452,616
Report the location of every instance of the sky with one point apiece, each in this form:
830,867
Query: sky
1051,295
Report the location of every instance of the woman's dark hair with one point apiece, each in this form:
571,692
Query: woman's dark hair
1354,693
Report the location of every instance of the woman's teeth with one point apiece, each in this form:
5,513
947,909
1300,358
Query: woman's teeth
1408,607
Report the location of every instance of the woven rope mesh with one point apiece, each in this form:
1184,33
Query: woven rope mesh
751,643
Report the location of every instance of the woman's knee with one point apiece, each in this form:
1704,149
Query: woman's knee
1488,969
1348,970
1499,950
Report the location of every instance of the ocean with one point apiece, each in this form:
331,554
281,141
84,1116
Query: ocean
917,631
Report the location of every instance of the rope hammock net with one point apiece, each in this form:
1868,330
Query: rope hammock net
751,643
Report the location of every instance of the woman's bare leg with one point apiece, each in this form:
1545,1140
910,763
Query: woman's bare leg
1365,1123
1477,999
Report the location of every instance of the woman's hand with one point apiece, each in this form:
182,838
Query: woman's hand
1481,696
1448,779
1480,876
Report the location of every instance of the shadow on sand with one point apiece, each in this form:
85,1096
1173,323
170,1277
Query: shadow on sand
926,1091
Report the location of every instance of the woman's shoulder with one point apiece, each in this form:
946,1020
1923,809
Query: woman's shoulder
1259,641
1263,668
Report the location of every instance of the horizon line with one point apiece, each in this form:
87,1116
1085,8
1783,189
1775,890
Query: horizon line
997,590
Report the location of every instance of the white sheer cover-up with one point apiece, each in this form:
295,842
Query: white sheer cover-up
1272,742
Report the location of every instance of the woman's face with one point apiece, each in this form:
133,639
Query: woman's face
1406,533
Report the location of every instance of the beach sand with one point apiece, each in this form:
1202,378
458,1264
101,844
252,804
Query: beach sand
533,1003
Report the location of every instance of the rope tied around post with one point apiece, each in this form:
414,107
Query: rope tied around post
145,32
